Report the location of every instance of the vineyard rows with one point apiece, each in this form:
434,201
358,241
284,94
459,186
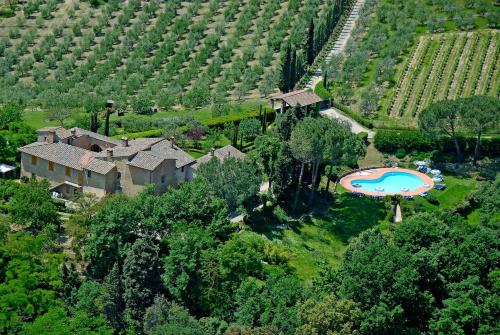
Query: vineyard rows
447,66
171,51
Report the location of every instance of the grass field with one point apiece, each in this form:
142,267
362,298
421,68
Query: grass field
323,236
457,189
37,118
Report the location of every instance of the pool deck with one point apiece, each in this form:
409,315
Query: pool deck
369,175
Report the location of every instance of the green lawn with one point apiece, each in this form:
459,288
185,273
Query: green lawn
37,118
457,189
322,236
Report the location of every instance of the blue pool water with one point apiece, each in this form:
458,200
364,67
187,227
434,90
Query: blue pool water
390,182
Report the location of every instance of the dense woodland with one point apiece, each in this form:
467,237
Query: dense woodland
175,263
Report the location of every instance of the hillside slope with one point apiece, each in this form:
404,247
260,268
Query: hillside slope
57,52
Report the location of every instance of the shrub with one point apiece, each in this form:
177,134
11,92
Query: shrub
14,33
143,103
363,136
400,153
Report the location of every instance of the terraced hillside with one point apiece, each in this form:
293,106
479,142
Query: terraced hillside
170,52
447,66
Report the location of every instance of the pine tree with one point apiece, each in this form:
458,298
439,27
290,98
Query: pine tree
141,279
113,298
310,43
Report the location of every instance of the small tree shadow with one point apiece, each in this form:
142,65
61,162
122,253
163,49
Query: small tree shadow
271,222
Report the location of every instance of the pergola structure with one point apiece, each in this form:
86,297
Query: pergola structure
300,98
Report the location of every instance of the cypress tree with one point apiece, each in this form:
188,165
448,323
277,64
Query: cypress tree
310,43
113,298
235,134
141,279
264,123
93,122
299,62
285,70
260,115
293,70
265,120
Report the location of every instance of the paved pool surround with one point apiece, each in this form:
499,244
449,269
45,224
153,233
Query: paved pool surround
369,175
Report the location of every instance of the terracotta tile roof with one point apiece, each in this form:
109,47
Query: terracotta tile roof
134,146
146,160
146,153
165,150
302,98
104,138
222,153
60,131
68,155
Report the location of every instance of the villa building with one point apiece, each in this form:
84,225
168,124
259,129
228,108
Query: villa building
77,160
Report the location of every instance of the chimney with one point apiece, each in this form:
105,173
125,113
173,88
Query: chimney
212,152
124,142
109,154
229,154
172,140
73,132
51,137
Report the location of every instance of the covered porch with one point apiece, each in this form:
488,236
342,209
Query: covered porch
66,190
301,98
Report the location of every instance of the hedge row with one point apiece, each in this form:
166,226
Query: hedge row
140,134
389,141
212,122
320,90
221,120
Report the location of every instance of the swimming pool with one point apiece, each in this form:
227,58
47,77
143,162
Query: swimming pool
390,182
384,181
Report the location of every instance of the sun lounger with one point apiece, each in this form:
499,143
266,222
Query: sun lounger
423,194
440,187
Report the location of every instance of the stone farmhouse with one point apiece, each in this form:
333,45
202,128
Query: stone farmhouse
222,153
77,160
